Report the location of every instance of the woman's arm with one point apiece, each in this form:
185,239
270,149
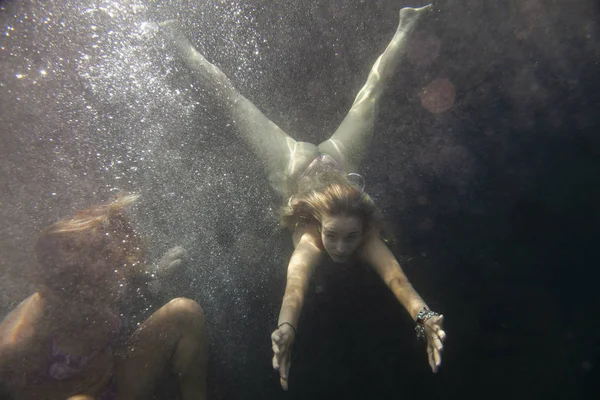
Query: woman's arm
20,341
302,264
18,329
377,254
383,261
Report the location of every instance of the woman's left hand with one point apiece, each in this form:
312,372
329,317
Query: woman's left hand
165,268
282,340
435,339
170,262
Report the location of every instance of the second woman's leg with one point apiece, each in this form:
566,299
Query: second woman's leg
173,337
348,143
279,153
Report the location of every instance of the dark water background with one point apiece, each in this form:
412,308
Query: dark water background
495,202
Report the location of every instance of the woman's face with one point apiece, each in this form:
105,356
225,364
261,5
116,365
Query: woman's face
341,236
97,282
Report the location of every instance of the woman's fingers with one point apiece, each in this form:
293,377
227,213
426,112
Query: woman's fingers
280,343
285,369
284,383
430,358
442,335
435,323
437,359
281,362
276,349
285,365
438,323
275,345
436,341
276,336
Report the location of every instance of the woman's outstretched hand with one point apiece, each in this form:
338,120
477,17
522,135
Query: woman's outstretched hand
282,340
165,268
435,339
169,263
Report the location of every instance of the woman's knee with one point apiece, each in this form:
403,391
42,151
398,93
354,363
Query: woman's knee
185,311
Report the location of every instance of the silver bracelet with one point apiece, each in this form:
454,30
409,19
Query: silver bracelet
423,316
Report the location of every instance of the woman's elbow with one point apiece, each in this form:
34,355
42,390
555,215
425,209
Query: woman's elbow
398,282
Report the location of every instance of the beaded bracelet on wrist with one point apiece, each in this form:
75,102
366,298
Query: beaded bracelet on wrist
423,316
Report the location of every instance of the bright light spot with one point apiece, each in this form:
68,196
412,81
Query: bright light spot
438,96
43,72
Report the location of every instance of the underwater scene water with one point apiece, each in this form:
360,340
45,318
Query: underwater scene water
178,222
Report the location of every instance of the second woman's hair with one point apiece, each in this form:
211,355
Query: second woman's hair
98,237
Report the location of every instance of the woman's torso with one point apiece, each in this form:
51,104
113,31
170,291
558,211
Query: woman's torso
65,355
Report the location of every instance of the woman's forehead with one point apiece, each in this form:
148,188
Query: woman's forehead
341,223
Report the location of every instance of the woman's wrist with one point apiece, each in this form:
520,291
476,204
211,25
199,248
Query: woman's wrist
416,308
287,317
288,325
420,319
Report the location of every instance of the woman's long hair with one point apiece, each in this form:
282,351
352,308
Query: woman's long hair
94,242
331,194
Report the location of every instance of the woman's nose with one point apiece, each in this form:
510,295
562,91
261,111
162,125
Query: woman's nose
341,248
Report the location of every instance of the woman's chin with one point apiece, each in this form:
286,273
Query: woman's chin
338,260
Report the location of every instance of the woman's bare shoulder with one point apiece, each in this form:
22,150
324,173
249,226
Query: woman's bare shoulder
21,325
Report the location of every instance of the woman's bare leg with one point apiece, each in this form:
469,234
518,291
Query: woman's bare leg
349,142
175,337
280,154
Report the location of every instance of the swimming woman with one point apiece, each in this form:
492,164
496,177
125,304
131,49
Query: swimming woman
62,342
325,206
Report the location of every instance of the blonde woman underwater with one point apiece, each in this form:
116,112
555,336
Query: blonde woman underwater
325,207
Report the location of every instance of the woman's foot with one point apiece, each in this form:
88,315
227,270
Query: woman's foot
207,73
410,15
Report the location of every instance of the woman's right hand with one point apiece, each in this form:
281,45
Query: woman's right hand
282,340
